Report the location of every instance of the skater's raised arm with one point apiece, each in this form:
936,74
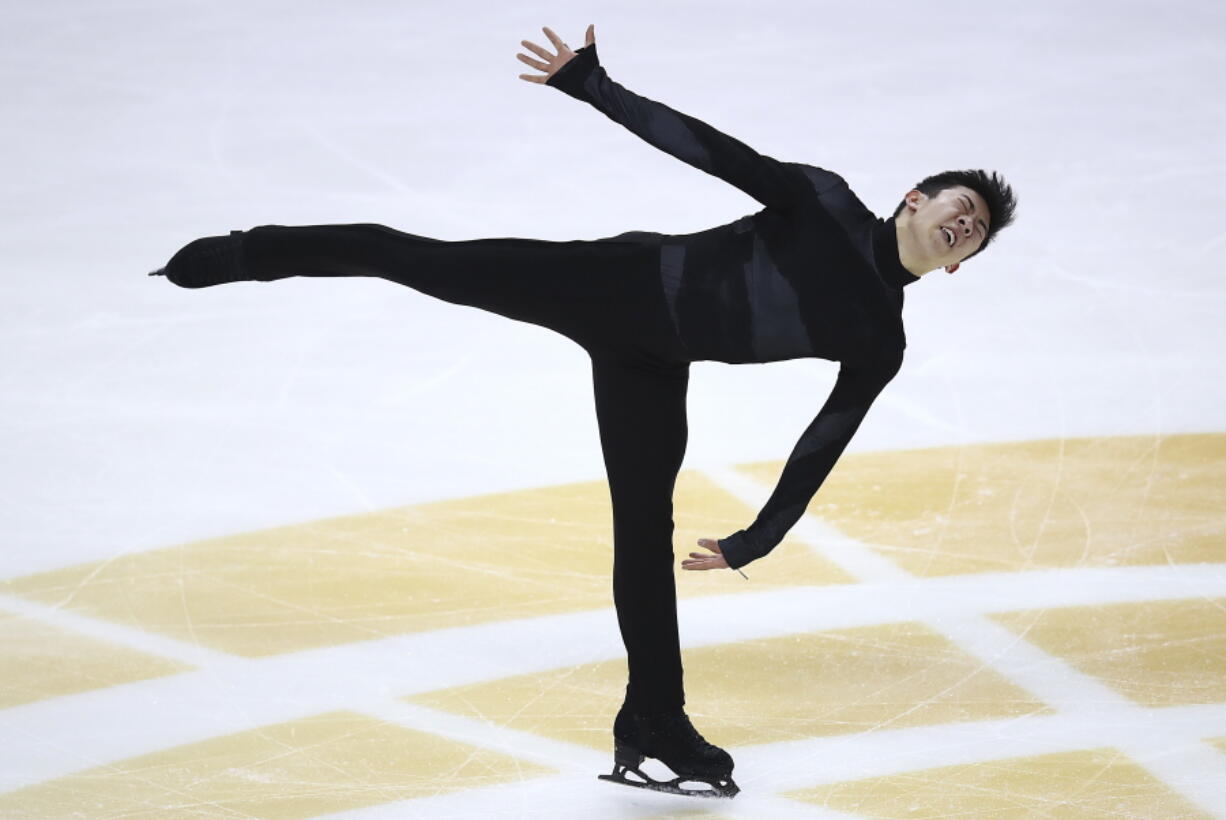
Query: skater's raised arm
812,458
771,182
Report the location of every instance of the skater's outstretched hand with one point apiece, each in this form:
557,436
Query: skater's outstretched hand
700,561
552,61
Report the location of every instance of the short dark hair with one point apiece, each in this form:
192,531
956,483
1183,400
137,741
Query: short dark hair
998,194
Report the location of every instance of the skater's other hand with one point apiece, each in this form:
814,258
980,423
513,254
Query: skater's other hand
700,561
552,61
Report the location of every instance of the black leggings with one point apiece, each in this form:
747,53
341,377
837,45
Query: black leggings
606,296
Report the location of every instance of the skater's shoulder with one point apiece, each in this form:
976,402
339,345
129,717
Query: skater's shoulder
821,179
832,191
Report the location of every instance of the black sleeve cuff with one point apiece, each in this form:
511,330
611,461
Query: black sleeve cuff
570,77
737,550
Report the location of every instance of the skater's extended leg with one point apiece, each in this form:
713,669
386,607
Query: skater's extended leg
531,280
598,292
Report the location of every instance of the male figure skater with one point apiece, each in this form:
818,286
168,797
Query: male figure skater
814,274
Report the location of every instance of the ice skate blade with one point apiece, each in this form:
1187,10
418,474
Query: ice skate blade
720,787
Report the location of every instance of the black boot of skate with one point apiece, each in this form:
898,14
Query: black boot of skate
670,738
212,260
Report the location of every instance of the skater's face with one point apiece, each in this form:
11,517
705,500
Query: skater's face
948,226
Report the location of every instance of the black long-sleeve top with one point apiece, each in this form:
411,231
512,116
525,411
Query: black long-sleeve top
815,274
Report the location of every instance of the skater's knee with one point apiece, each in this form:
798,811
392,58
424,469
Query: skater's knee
385,231
650,509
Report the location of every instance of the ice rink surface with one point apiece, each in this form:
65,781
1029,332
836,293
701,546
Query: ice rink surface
140,418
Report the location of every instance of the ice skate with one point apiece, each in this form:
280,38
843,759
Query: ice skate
212,260
671,739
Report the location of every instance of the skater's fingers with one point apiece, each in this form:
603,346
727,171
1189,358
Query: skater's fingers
555,39
553,62
524,58
700,561
533,47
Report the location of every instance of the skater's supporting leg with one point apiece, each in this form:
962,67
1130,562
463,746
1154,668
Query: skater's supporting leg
641,411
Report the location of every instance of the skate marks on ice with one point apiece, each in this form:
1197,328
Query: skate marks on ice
992,630
309,767
1100,783
366,577
1088,502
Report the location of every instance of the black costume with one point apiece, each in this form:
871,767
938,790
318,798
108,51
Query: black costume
813,274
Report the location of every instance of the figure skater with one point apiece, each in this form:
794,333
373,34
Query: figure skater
814,274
